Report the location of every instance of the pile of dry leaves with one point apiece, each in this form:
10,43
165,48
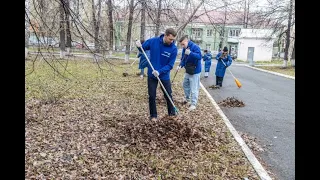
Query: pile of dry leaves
231,102
97,127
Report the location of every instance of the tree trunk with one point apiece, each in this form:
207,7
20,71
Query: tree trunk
62,30
143,20
68,31
26,37
128,43
293,56
158,19
110,8
245,15
222,38
247,12
96,25
288,33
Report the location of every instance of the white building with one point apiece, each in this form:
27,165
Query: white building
255,45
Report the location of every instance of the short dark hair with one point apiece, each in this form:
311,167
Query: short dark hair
170,31
205,50
225,49
183,38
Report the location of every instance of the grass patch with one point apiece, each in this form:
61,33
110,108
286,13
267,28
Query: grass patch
94,124
288,71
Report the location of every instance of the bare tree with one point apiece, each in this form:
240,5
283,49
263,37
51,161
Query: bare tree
293,56
128,43
96,24
143,19
191,17
278,16
288,34
26,37
110,23
68,30
62,30
158,18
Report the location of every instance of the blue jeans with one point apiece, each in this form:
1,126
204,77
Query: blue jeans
142,71
191,84
152,90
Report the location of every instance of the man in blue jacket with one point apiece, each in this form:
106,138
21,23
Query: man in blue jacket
163,53
221,67
191,61
207,62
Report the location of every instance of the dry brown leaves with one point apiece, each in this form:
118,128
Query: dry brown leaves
213,87
231,102
100,130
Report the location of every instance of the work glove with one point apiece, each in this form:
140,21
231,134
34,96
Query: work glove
187,52
178,68
155,73
138,43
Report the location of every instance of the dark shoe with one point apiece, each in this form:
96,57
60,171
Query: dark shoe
206,77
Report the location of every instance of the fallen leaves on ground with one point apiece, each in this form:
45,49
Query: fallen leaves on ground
231,102
97,127
214,87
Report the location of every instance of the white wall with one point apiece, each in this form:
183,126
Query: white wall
262,49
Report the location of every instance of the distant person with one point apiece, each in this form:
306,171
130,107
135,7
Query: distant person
143,63
221,67
207,62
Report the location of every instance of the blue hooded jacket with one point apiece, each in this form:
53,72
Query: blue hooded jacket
194,56
221,68
162,56
143,63
207,59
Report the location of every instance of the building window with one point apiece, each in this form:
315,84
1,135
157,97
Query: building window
209,32
196,32
234,32
208,47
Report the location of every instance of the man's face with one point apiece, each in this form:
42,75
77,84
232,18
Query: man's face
168,39
184,43
225,53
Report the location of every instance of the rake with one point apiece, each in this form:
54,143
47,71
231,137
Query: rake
235,79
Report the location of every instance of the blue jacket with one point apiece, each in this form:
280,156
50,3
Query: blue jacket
207,59
194,56
143,63
162,56
221,68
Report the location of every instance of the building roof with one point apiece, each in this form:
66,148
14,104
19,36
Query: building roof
256,33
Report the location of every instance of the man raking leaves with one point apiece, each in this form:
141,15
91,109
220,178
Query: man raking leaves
163,53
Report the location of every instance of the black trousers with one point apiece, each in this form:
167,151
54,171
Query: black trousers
152,90
219,80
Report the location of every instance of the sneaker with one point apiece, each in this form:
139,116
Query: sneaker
192,107
205,76
141,77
